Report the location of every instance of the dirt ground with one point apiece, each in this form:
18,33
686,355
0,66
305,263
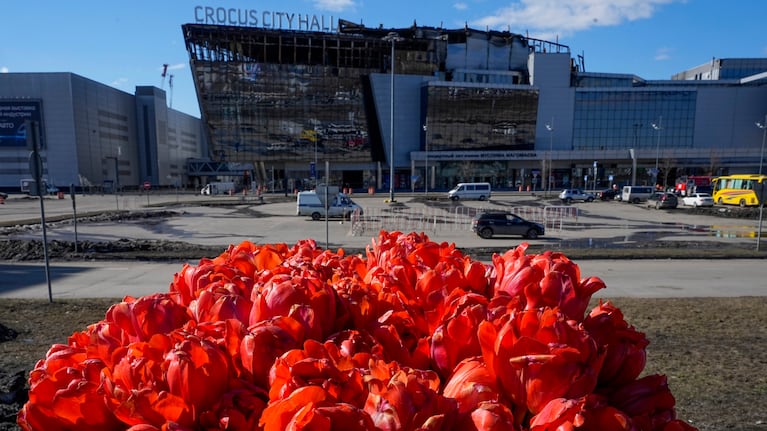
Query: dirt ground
711,349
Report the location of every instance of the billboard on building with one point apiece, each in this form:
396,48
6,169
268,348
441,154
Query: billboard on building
13,115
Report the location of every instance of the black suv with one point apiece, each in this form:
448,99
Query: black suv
505,223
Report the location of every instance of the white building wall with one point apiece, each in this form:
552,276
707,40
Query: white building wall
91,134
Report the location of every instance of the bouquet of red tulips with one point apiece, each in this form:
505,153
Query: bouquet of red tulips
414,335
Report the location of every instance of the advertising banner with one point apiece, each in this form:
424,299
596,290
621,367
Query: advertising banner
13,114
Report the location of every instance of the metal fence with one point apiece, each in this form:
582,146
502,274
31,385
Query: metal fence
373,220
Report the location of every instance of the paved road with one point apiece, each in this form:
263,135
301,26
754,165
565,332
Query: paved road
624,278
600,224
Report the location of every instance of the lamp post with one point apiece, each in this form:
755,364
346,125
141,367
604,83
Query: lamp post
762,126
426,160
392,37
658,127
550,128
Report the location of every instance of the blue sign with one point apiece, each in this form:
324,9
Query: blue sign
13,114
312,170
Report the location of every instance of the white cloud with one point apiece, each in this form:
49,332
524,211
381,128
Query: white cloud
663,54
119,82
563,17
4,69
334,5
460,6
176,66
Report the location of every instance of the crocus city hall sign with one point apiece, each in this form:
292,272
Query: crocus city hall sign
265,19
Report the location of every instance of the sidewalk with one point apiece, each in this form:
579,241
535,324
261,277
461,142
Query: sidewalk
624,278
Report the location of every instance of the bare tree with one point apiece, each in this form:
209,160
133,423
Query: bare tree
667,165
713,164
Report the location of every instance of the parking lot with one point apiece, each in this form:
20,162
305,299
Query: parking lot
222,220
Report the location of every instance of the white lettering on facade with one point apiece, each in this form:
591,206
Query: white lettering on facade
268,19
475,155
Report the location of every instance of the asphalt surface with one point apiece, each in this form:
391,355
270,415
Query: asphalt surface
220,221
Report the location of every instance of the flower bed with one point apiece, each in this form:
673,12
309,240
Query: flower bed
412,335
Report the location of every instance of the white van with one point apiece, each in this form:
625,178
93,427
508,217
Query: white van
311,204
636,194
479,191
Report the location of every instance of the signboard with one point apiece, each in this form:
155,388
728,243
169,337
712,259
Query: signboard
264,18
13,114
446,156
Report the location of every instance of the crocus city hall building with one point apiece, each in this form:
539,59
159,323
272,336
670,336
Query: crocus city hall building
288,100
293,94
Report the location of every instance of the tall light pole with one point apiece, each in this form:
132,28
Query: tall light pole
426,159
658,127
762,126
550,128
392,37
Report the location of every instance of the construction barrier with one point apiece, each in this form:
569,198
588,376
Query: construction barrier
373,220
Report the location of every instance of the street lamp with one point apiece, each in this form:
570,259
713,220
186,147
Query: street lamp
426,160
762,126
550,128
658,127
392,37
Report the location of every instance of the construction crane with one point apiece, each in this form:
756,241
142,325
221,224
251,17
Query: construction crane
170,86
164,72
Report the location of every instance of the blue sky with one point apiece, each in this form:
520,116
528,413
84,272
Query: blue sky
125,44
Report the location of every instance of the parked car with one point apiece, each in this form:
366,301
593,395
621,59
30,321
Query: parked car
636,194
481,191
663,200
607,194
488,224
698,200
569,195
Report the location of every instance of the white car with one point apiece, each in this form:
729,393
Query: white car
698,200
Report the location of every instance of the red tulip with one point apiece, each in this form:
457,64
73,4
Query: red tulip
197,372
456,338
212,306
538,356
409,401
136,389
66,397
648,401
588,413
625,354
471,384
489,416
546,280
271,337
238,409
302,296
265,342
141,318
316,365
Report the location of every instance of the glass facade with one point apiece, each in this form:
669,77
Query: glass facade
480,118
280,100
615,119
286,112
